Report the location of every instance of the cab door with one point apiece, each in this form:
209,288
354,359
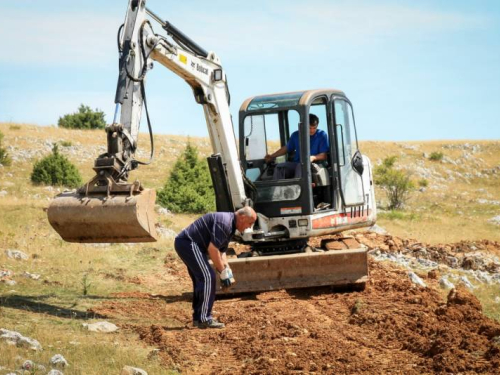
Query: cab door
348,156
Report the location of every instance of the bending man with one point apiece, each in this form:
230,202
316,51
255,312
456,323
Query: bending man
209,236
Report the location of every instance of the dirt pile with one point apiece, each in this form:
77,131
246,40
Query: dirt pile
393,326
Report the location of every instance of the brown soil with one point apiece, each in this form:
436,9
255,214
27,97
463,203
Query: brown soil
391,327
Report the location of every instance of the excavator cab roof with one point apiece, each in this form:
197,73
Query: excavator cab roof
287,99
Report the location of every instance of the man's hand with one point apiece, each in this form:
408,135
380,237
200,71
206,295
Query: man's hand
226,277
268,158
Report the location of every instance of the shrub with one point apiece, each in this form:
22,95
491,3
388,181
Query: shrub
4,156
85,118
396,183
56,169
423,182
436,156
189,187
66,143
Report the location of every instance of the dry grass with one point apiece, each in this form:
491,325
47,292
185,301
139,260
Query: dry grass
53,308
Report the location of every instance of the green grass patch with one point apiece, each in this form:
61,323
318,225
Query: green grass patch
399,215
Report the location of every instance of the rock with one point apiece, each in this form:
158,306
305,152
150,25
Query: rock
3,193
164,211
416,280
129,370
55,372
495,220
58,361
376,229
101,327
466,282
15,338
32,276
165,232
5,273
28,365
445,283
16,254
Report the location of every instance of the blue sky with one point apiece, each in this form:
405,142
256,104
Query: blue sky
413,70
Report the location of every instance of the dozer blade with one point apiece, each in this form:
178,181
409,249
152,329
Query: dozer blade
303,270
97,219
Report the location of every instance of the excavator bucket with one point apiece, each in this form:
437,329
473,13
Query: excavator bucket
302,270
98,219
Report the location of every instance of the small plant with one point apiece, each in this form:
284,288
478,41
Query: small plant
86,284
4,156
56,169
423,182
66,143
14,127
189,187
85,118
396,183
436,156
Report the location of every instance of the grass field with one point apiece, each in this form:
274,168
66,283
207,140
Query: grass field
462,194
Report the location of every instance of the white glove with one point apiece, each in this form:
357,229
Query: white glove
226,277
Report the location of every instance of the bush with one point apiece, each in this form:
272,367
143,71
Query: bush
396,183
436,156
85,118
423,182
56,169
4,156
189,187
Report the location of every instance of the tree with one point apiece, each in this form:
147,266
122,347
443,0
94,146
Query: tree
4,156
189,187
85,118
56,169
397,184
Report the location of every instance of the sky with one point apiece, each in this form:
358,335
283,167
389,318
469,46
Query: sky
423,70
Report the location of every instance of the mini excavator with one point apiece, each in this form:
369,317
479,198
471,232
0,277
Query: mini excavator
328,197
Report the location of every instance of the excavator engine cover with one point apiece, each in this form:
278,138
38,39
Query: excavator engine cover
100,219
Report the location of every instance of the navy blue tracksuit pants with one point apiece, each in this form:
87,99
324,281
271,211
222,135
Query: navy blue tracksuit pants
202,275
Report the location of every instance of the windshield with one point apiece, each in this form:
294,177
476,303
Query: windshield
275,101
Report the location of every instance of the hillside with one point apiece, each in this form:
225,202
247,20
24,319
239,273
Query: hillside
449,231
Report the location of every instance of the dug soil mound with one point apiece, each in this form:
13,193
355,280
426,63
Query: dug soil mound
393,326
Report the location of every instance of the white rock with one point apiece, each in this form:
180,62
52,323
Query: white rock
32,276
28,365
376,229
129,370
16,254
9,282
166,232
445,283
5,273
416,280
101,327
466,282
3,193
495,220
15,338
59,361
55,372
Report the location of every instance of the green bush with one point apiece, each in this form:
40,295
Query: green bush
66,143
4,156
56,169
189,187
85,118
423,182
396,183
436,156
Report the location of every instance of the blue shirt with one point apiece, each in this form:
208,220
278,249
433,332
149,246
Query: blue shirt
217,228
318,145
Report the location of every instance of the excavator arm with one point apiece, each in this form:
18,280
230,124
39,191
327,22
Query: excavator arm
108,208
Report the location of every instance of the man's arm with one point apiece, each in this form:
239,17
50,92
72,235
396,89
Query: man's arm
280,152
216,257
318,157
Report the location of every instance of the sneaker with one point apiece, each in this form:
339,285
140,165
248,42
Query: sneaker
208,324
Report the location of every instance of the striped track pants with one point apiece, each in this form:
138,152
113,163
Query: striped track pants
202,275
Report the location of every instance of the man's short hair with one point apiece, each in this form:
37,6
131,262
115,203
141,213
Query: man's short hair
313,119
245,211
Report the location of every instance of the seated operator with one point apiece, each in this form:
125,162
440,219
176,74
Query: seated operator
318,147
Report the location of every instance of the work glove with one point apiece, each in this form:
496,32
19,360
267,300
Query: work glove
226,277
